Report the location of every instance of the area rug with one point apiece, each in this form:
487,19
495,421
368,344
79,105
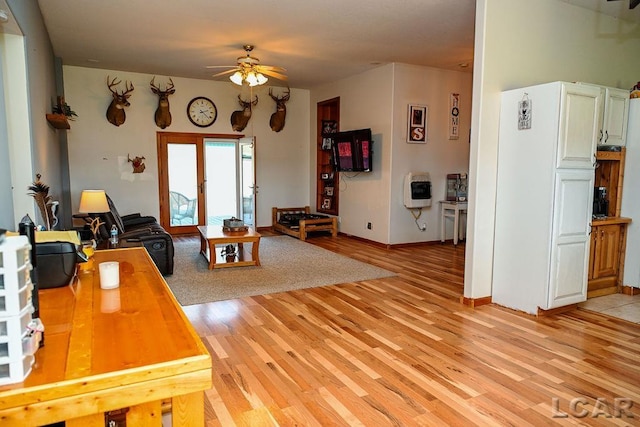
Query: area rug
287,264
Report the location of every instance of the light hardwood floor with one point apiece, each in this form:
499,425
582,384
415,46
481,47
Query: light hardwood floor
402,351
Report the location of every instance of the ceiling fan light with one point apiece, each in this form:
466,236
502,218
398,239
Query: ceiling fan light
252,79
236,78
261,79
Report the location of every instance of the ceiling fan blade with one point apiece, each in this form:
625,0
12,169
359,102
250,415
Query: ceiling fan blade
272,67
223,73
633,3
221,66
274,74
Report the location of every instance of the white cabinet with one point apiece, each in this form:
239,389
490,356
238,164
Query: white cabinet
544,196
614,116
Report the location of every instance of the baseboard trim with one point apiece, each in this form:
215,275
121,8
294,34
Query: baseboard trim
475,302
629,290
557,310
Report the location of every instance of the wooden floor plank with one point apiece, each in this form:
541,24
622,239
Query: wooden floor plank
402,351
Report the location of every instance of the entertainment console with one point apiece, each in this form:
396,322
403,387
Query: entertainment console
298,222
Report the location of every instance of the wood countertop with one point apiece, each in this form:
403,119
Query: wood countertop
108,349
611,220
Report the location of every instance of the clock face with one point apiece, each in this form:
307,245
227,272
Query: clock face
202,111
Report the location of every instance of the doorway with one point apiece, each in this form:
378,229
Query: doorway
204,179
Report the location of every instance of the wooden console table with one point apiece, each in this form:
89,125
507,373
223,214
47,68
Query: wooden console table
130,347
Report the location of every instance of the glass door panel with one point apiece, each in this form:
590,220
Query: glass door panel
183,184
247,179
222,181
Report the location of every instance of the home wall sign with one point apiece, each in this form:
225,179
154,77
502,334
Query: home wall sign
454,119
417,124
524,113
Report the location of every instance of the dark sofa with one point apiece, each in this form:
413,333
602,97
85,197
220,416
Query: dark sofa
135,229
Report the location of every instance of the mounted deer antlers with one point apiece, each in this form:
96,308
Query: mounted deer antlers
163,115
277,118
240,118
115,112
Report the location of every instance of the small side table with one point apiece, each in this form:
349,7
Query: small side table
211,235
451,209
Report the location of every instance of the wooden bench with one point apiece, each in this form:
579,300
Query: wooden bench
304,226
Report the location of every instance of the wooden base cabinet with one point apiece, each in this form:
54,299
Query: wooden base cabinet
606,262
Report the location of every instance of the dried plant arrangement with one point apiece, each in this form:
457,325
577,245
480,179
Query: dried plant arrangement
40,193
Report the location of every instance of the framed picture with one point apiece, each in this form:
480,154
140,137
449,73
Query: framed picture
329,126
328,191
326,203
324,176
417,124
326,143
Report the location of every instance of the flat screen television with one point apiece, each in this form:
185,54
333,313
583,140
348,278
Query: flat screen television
352,151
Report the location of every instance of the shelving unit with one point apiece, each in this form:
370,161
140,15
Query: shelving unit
58,121
327,194
609,235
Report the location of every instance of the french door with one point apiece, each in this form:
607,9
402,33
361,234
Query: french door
204,179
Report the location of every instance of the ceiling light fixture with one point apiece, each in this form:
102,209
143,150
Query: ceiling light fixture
249,75
249,70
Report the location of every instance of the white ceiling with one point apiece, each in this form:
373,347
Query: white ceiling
317,41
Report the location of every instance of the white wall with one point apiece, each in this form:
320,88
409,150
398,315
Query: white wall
96,146
378,99
29,88
366,101
439,156
520,43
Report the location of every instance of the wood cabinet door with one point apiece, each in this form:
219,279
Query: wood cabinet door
607,251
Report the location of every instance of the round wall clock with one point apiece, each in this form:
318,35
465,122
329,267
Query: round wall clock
202,111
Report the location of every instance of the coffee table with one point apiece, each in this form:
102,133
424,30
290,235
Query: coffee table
212,235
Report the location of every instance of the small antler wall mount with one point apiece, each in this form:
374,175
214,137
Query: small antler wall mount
137,163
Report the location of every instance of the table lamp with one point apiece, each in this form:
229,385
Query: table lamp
94,202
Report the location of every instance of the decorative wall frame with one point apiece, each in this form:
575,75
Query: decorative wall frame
417,124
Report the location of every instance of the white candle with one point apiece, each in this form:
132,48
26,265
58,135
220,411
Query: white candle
109,274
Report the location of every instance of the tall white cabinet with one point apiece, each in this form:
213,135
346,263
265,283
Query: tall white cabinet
544,196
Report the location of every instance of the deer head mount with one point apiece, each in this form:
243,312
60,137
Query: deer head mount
240,118
278,118
115,112
163,115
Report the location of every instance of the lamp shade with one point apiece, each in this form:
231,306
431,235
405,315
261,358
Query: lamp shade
237,78
93,201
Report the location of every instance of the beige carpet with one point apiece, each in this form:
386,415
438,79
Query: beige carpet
287,264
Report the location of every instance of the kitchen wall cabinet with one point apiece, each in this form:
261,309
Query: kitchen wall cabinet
608,242
544,195
614,113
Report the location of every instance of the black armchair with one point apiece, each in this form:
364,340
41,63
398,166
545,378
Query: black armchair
137,229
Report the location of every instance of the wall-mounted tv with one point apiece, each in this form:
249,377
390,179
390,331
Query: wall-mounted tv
352,151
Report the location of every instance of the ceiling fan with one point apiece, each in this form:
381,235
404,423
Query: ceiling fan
248,69
632,3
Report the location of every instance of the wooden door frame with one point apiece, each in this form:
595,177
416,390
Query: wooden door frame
164,138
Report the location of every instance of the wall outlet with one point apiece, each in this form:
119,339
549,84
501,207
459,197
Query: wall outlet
369,227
